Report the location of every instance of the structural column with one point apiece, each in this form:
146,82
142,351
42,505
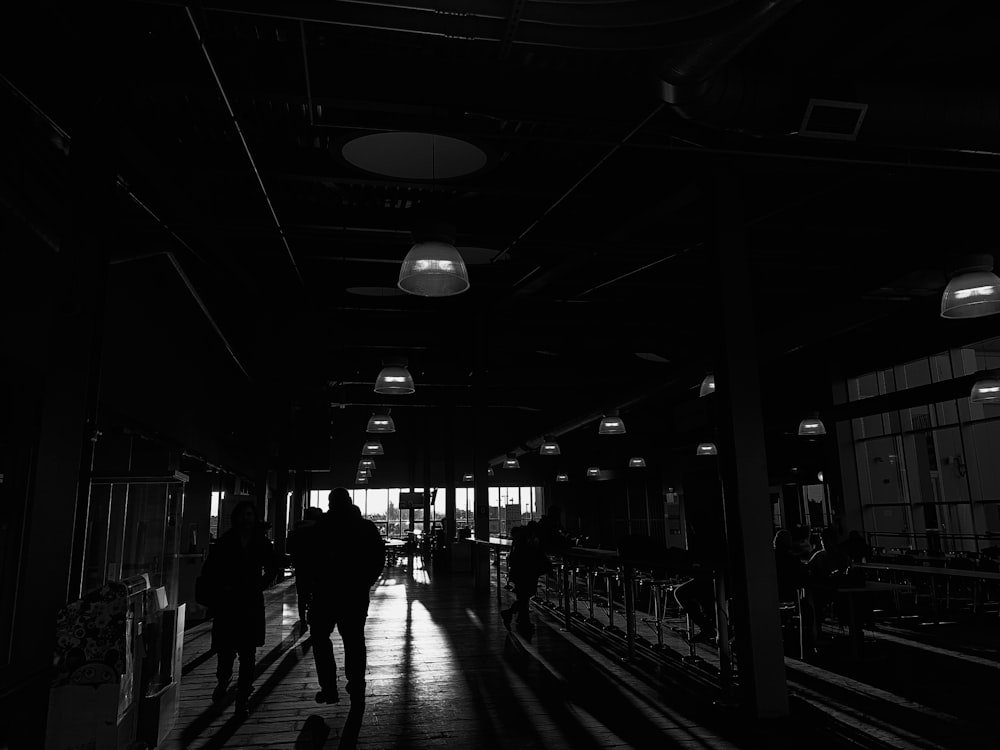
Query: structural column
449,475
481,555
744,461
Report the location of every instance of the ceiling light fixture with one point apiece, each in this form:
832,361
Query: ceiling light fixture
467,478
364,472
361,480
372,448
819,475
611,424
637,462
489,472
433,267
367,463
973,290
562,477
707,386
706,449
549,448
811,426
511,462
593,471
394,379
381,422
985,391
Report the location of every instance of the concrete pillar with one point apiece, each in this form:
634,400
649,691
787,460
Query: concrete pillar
744,463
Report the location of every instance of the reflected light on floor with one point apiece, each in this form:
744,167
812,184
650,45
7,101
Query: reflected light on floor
475,618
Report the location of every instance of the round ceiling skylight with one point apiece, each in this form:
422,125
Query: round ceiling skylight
414,156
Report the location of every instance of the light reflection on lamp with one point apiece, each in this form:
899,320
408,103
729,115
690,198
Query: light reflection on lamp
819,475
433,269
985,391
394,380
637,462
707,386
367,463
467,477
361,480
562,477
381,423
489,472
973,291
372,448
611,424
511,462
706,449
549,448
593,471
811,426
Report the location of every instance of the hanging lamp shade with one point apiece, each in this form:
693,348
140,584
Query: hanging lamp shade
367,463
394,380
562,477
811,426
707,386
511,462
467,478
381,423
611,424
637,462
364,472
433,269
985,391
549,448
361,480
372,448
489,472
706,449
973,291
593,471
819,476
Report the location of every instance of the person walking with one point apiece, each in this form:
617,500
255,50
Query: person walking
297,546
347,557
525,563
239,567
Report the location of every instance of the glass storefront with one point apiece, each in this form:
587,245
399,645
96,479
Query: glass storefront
929,475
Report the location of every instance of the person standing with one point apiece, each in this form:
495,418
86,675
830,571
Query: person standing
239,567
297,545
525,563
348,557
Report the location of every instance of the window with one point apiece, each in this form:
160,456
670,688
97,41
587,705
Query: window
927,474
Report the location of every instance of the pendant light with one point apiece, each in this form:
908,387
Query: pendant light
985,391
394,379
562,477
433,269
381,423
372,448
361,480
549,447
819,476
611,424
811,426
593,471
511,462
707,386
706,449
973,290
467,478
489,472
362,472
637,462
367,463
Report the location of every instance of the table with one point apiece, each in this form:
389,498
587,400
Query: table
851,595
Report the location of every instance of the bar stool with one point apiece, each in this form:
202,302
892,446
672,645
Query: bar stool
611,577
660,592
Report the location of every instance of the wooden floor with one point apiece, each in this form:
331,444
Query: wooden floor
444,673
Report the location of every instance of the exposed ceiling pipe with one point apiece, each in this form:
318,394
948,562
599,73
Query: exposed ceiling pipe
185,279
246,146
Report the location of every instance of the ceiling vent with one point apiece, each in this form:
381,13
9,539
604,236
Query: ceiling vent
833,120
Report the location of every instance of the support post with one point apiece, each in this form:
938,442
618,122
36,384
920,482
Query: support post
743,456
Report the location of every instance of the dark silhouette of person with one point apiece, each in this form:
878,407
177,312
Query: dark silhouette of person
296,545
525,563
240,566
856,547
551,535
348,556
790,568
